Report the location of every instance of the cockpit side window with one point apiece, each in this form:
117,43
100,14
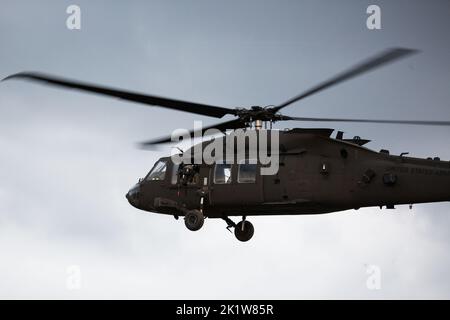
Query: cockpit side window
222,173
247,171
158,172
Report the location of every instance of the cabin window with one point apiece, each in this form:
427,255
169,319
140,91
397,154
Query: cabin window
247,172
158,172
174,178
222,173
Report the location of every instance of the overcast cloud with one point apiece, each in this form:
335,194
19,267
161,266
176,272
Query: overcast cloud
68,158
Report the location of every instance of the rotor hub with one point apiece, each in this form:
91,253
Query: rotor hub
255,113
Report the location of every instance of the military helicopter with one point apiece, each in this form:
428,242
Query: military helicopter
316,174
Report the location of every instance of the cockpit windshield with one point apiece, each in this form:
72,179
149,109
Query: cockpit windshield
158,172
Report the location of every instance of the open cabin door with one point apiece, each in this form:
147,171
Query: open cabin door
187,180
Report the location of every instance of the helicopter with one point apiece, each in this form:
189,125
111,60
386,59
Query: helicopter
316,173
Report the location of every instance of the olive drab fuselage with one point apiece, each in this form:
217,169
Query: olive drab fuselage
317,174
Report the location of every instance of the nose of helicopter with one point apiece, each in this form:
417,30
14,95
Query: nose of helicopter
133,195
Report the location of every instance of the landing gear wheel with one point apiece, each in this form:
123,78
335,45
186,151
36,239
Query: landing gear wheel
194,220
244,231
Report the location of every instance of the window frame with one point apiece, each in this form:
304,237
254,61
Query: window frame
174,176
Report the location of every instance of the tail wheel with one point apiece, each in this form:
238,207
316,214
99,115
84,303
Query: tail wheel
194,220
244,231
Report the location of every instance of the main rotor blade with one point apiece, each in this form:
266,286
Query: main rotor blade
410,122
383,58
233,124
192,107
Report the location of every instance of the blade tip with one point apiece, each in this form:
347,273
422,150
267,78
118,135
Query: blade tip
20,75
11,76
405,51
141,145
146,146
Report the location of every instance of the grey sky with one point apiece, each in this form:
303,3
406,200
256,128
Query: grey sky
68,158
